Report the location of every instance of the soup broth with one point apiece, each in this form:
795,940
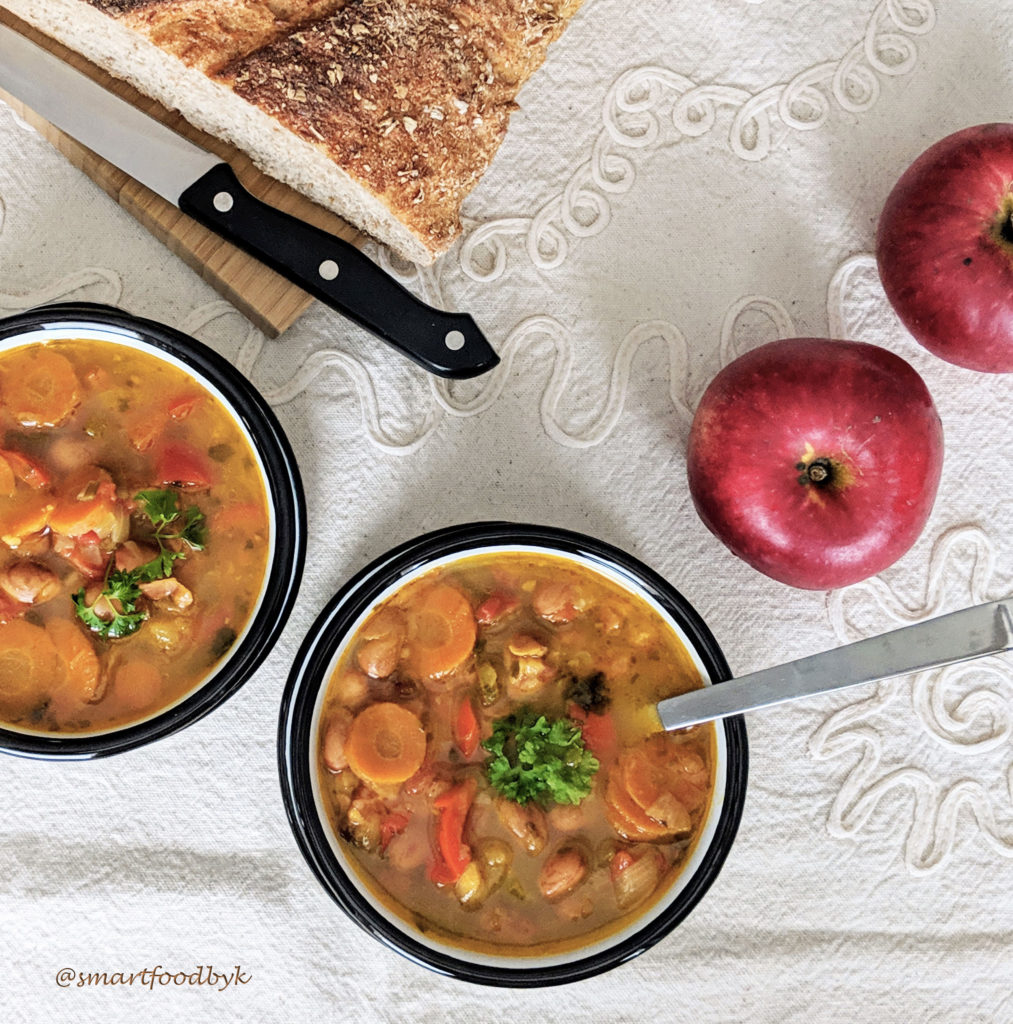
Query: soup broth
135,535
491,759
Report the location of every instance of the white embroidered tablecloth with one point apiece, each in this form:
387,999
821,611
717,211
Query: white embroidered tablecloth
684,181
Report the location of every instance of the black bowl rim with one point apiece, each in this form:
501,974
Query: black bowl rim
284,487
308,676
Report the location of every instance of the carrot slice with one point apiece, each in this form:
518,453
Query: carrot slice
690,795
24,514
645,779
386,744
87,503
625,828
642,791
29,667
137,683
442,632
10,609
8,482
627,818
79,659
40,387
27,470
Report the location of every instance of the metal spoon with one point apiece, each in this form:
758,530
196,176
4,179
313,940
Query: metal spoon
959,636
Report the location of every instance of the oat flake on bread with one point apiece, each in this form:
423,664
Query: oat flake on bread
385,111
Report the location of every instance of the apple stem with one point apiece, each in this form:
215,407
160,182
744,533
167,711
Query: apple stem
819,472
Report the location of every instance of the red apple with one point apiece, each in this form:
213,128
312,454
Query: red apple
945,248
816,461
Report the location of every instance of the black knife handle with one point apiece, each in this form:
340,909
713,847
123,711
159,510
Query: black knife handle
447,344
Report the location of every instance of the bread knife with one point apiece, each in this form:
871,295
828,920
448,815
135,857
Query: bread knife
205,188
959,636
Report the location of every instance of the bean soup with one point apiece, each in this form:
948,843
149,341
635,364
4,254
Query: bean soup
135,533
492,762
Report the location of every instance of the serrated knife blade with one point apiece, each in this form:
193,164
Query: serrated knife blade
205,188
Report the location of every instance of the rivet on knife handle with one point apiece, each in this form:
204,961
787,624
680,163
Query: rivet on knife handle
184,174
447,344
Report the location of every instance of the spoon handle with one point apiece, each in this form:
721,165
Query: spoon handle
958,636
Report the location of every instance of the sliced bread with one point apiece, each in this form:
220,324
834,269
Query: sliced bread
385,111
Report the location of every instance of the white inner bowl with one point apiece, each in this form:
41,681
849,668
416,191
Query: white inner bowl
518,960
110,335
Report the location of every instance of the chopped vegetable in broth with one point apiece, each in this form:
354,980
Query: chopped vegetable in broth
492,760
135,533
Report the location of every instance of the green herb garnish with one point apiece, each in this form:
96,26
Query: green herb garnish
122,586
535,758
162,508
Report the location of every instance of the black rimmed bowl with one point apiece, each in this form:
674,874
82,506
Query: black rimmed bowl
299,739
287,518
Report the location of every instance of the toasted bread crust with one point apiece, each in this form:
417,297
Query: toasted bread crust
406,105
208,34
407,99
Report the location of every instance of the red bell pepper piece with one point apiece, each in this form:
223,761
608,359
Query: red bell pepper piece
27,470
466,730
452,854
394,824
182,465
597,731
495,607
182,405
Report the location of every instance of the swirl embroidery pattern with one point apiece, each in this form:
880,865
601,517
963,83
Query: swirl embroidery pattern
653,106
95,284
965,712
750,319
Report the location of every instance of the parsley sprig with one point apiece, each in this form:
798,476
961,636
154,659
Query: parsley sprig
121,588
536,758
162,508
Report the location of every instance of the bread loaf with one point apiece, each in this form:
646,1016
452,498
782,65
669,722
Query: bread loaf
385,111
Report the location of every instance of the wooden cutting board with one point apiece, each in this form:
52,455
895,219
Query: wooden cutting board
264,297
